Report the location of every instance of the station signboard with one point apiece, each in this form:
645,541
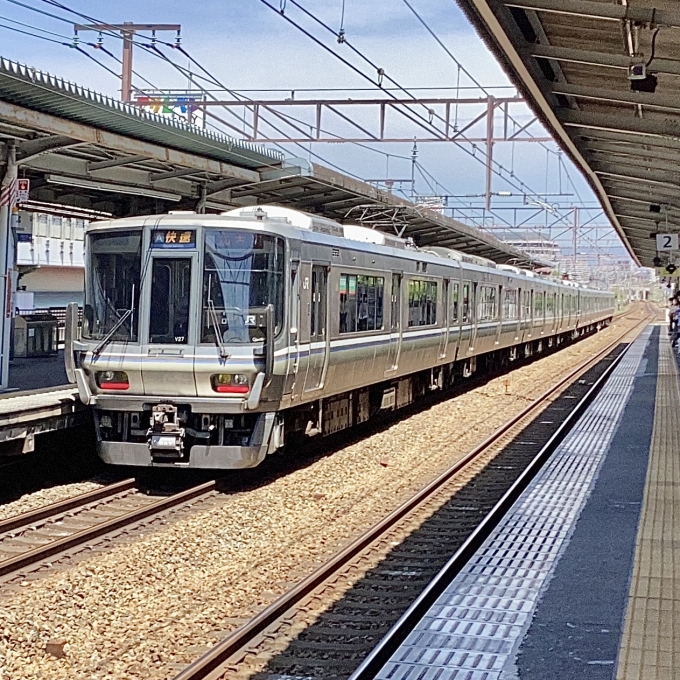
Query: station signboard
666,242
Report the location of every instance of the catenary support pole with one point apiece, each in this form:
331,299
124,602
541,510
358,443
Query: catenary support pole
6,260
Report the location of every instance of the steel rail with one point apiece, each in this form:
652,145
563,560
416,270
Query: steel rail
52,548
207,667
47,511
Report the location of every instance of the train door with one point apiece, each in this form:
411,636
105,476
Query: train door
454,326
500,316
444,339
469,307
168,339
395,325
293,361
317,319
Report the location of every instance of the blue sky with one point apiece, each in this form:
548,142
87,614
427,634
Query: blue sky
248,46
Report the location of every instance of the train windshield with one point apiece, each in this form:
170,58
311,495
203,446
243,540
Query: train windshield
243,274
112,286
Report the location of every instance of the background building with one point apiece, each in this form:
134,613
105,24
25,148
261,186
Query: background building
50,259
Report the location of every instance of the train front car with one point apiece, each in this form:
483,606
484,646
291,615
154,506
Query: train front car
176,356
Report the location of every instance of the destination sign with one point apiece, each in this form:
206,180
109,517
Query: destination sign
173,238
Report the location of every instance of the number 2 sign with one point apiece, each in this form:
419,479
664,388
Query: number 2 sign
667,242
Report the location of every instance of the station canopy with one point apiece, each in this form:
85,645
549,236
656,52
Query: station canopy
604,78
90,152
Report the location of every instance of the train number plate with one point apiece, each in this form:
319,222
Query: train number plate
163,442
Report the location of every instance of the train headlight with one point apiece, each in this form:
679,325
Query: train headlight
230,383
112,380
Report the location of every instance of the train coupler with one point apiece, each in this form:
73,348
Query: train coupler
165,437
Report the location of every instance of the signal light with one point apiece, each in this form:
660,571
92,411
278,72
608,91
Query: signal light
112,380
657,262
670,268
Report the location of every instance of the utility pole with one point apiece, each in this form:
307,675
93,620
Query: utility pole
491,106
414,160
127,30
575,236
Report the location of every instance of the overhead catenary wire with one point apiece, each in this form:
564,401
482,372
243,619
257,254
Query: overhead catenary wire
99,63
147,48
422,122
478,84
141,45
452,56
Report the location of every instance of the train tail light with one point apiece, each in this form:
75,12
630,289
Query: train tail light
112,380
228,383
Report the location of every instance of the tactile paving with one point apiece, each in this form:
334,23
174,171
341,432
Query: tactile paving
650,647
474,629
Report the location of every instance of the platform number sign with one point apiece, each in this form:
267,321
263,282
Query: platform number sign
667,242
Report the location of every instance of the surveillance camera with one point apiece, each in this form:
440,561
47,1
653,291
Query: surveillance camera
637,69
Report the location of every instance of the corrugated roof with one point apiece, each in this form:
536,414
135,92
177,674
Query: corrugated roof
571,60
62,156
40,91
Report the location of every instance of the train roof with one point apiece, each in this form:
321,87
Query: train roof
297,224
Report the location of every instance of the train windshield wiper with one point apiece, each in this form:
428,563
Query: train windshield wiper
224,354
109,336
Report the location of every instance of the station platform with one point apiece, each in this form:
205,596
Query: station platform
581,579
26,414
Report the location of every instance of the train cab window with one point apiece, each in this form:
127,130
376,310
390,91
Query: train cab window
487,305
422,303
455,292
112,285
466,316
510,306
361,303
538,304
243,274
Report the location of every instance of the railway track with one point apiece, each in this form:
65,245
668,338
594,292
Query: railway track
32,540
324,626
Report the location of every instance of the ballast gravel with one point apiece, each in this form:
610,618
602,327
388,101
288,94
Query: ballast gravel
38,499
147,607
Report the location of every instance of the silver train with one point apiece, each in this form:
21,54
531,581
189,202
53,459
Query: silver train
210,341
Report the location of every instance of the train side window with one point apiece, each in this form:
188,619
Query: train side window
466,303
361,303
454,301
538,304
487,307
422,303
510,308
526,304
550,304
